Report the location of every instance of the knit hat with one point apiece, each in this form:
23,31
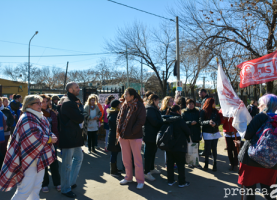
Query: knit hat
115,103
55,97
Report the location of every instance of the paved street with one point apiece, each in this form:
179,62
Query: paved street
94,182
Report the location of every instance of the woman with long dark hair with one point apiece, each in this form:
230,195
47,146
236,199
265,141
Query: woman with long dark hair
130,120
152,126
210,120
53,121
177,154
106,121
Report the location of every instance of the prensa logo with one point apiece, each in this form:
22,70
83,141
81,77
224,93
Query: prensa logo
250,191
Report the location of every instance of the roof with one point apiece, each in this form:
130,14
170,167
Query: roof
1,79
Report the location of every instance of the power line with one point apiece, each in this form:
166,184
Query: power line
140,10
42,46
89,54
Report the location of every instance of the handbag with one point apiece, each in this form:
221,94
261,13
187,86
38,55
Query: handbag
192,156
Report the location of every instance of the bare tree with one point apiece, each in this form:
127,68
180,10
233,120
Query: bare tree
154,47
250,24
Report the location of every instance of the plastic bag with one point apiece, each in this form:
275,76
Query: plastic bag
192,157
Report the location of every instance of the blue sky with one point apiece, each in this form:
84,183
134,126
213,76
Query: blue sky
81,26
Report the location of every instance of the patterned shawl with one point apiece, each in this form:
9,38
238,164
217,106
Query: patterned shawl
29,142
121,124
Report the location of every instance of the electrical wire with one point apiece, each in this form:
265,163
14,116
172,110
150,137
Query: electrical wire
89,54
41,46
140,10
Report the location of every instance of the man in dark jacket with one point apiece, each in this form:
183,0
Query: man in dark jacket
253,108
204,96
71,140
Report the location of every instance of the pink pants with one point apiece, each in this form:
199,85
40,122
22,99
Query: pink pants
129,146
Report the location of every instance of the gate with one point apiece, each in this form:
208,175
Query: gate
102,94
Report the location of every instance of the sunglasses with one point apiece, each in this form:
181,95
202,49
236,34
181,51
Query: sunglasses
38,103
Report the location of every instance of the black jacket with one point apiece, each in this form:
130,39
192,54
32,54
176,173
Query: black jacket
205,123
10,118
253,110
70,118
189,116
204,100
250,133
152,124
112,116
181,132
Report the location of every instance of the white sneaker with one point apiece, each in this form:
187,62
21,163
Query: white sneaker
140,186
155,171
149,177
124,182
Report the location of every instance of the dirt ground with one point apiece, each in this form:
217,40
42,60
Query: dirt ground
94,181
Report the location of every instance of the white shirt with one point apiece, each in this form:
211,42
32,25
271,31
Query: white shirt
211,136
92,124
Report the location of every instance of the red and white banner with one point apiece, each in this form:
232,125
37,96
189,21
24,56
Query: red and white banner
231,104
259,70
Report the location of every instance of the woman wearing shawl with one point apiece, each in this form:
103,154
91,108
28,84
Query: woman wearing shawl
31,150
130,120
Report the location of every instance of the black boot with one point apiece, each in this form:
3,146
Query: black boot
114,170
206,166
215,167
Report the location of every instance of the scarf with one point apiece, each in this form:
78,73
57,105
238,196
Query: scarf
34,112
122,124
46,113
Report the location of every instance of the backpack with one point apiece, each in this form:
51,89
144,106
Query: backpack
165,139
263,148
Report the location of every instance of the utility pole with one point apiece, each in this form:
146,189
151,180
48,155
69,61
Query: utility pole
204,82
141,77
177,49
65,77
128,84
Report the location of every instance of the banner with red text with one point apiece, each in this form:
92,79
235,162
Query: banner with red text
259,70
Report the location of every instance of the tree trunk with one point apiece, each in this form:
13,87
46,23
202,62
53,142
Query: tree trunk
255,92
269,87
192,92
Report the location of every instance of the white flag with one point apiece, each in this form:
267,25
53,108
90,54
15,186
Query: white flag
231,104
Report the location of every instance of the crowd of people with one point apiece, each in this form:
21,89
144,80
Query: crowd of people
42,124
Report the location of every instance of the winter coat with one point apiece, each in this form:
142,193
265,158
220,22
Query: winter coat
251,131
153,123
181,132
10,119
163,112
189,116
136,122
205,123
204,100
88,117
112,116
53,121
253,110
70,118
227,123
102,111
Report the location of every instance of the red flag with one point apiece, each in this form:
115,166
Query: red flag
259,70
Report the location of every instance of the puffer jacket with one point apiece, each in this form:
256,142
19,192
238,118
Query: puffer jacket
189,116
153,124
181,131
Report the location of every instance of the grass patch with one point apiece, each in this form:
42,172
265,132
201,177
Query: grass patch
220,128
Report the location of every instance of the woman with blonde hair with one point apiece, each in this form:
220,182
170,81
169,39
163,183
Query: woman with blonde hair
31,150
92,114
166,103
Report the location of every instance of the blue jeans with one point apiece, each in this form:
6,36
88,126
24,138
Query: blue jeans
71,163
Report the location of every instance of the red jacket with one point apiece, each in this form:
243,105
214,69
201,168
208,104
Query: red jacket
227,123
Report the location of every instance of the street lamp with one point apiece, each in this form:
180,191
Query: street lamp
29,63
